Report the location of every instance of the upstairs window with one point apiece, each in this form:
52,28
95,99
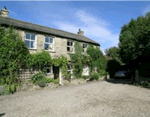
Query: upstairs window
48,43
70,46
30,40
84,47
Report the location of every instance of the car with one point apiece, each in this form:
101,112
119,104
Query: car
122,73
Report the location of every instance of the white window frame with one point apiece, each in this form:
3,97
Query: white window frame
69,70
30,39
84,49
70,45
50,70
85,67
52,44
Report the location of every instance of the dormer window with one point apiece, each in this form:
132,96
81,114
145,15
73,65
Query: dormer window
70,46
49,43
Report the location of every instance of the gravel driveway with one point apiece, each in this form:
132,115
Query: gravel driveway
95,99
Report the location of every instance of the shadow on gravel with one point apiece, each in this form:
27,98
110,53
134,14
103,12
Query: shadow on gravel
119,80
2,114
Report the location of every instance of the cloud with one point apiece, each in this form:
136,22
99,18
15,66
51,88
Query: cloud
12,12
93,27
147,9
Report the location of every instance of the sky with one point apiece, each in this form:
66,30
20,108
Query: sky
101,21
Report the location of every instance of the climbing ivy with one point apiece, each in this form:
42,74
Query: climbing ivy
61,62
97,59
40,60
78,59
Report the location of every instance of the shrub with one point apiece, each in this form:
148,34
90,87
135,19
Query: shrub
68,76
55,80
94,76
3,90
42,83
85,77
11,88
2,81
49,80
38,77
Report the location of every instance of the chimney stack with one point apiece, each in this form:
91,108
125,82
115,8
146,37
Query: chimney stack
81,33
4,12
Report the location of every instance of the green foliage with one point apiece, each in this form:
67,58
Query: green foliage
134,39
68,76
13,52
49,80
85,77
3,91
38,77
41,80
11,88
41,83
61,62
97,59
2,81
14,55
94,76
40,60
113,52
111,67
78,59
56,81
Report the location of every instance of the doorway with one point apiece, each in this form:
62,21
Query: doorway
56,72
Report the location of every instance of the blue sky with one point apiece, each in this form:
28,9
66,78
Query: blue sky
100,21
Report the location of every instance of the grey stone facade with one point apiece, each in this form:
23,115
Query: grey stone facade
60,38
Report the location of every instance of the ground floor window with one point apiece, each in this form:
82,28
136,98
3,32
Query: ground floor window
85,68
48,70
69,68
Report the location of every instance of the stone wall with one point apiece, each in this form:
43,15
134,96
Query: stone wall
60,45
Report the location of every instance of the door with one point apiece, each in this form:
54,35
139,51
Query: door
56,72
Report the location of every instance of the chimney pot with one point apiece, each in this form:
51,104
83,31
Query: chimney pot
4,12
81,33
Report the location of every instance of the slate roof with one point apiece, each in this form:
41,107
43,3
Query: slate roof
43,29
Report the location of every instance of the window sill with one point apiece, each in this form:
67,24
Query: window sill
49,74
51,51
32,48
70,52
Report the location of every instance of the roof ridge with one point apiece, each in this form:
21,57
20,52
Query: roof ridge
43,26
78,37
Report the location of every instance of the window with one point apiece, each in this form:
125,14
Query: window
48,43
84,47
48,70
70,46
30,40
69,68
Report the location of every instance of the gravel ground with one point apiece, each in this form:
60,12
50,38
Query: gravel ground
94,99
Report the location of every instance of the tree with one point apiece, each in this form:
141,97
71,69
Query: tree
113,52
97,59
135,39
14,55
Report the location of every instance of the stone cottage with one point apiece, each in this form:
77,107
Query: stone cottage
56,42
